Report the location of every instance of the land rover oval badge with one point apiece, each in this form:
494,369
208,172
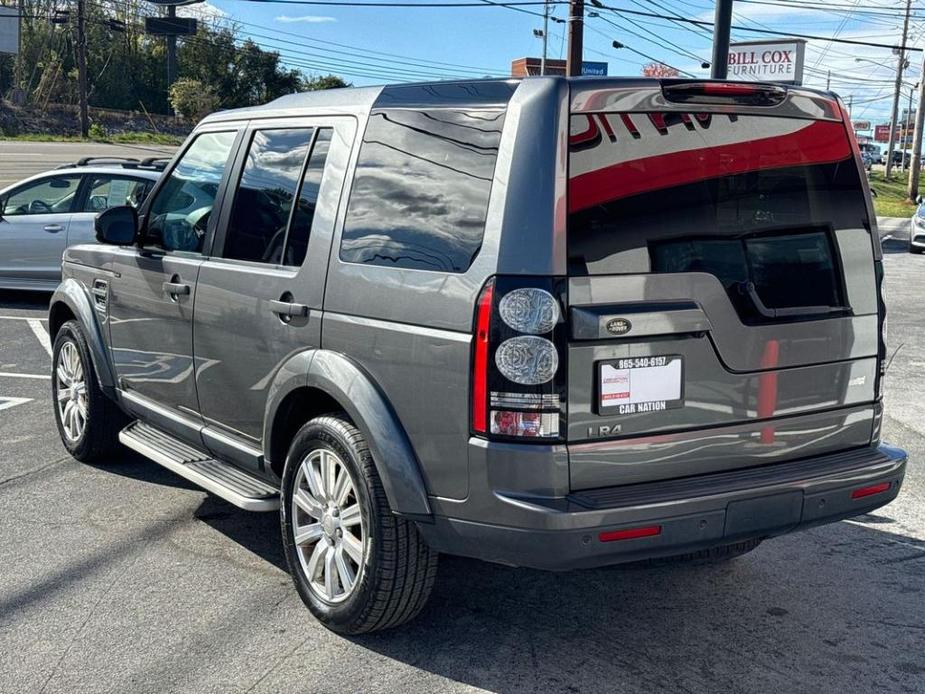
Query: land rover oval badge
619,326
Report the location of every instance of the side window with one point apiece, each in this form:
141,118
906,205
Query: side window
301,225
179,215
114,191
264,197
420,193
48,196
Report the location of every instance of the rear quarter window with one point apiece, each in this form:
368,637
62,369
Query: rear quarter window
420,192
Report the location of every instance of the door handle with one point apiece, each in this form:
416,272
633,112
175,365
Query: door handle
53,228
288,309
175,288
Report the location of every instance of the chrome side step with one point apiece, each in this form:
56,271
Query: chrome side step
222,479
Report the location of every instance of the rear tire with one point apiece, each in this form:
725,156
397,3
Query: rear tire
382,571
88,422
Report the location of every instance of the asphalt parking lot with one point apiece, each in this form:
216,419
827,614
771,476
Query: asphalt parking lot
19,159
124,578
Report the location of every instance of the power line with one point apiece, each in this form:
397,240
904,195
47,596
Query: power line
749,29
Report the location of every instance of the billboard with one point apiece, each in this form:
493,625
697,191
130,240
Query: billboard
170,26
767,61
861,125
882,133
9,30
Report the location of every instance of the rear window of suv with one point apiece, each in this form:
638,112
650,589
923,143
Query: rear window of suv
752,200
420,193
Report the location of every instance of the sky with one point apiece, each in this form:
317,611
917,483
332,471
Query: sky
375,45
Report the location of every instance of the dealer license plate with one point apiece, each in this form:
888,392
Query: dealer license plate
641,384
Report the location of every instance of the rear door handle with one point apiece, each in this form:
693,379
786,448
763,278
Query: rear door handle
175,288
290,310
53,228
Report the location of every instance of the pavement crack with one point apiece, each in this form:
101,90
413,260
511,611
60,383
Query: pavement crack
34,471
103,594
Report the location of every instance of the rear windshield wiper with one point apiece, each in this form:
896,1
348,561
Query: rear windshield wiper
748,288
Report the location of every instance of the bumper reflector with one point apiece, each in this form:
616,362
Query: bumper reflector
630,533
870,491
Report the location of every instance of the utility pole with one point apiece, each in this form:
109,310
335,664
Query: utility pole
894,119
828,81
915,166
576,29
722,25
171,52
82,68
545,35
907,129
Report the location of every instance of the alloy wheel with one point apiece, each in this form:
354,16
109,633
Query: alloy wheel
327,526
71,392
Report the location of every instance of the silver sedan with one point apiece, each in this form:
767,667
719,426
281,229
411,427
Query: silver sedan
44,214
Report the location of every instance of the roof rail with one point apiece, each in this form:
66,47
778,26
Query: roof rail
150,163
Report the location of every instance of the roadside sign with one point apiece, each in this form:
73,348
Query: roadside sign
170,26
861,124
593,68
882,133
767,61
9,30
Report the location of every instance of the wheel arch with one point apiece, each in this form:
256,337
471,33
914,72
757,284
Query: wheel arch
319,381
71,301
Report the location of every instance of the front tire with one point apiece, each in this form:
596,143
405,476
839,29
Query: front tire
88,422
357,566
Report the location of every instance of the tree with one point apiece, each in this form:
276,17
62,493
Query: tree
313,83
193,99
659,70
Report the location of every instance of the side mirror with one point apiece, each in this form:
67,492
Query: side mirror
117,225
919,199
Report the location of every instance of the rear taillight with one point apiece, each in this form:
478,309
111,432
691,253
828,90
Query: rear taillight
518,359
723,93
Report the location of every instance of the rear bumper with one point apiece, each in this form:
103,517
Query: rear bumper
564,532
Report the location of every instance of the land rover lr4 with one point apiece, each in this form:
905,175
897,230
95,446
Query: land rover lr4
550,323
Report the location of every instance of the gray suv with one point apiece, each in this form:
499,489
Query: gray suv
549,323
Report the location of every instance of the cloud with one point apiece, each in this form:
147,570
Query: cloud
305,19
204,11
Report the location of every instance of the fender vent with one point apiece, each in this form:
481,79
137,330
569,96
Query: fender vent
101,295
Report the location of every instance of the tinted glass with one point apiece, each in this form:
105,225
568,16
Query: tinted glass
751,200
787,271
48,196
115,191
263,200
179,215
300,228
420,194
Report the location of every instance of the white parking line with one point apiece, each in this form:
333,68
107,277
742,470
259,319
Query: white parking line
7,403
22,318
40,332
10,374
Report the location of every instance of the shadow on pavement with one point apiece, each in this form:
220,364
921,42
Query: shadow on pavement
658,629
29,301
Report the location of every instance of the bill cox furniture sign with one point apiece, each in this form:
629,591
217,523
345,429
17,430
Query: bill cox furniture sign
767,61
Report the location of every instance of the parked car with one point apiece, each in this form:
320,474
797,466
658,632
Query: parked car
46,213
917,228
867,160
534,322
901,158
869,148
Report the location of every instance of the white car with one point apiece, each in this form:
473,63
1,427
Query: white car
917,229
44,214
